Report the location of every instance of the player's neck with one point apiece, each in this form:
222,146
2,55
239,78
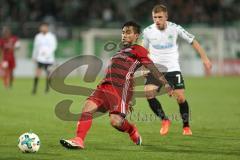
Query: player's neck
162,28
127,45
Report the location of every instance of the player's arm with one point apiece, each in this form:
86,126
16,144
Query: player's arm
191,39
1,51
54,43
34,52
17,44
159,76
203,55
142,56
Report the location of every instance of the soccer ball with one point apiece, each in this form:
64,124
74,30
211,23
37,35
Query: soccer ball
29,142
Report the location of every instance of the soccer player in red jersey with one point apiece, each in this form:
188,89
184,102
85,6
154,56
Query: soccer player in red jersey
8,43
115,90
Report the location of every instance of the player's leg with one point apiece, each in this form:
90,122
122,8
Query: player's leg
6,77
176,79
184,110
12,65
155,105
83,126
36,77
46,68
11,78
6,73
122,125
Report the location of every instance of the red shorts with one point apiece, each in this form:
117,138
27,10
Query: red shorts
108,97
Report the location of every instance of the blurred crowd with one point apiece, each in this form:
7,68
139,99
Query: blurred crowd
74,12
112,13
213,12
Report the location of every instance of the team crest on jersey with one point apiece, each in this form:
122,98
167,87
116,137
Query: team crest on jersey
170,37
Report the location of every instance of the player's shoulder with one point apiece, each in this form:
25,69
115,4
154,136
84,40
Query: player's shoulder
14,37
148,28
139,48
173,25
52,35
38,35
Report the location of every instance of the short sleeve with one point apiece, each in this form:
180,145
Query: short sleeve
184,34
1,43
145,40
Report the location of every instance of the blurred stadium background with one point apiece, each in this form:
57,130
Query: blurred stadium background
85,26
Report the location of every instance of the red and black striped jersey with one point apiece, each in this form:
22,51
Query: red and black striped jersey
123,65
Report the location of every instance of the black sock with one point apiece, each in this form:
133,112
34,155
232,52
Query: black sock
47,80
157,108
184,110
35,83
47,86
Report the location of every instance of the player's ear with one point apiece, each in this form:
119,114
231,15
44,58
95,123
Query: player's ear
166,16
137,36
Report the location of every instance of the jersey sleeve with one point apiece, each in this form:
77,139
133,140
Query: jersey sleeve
184,34
34,52
17,43
145,40
142,55
1,43
54,43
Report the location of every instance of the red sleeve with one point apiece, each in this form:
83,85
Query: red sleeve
142,54
15,38
1,43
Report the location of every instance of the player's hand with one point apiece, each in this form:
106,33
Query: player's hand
169,89
208,66
144,73
4,64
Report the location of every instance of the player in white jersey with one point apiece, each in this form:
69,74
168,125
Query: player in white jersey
160,39
44,47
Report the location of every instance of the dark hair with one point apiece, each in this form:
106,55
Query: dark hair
159,8
136,27
44,24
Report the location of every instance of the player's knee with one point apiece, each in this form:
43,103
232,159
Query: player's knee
89,107
149,92
181,99
115,120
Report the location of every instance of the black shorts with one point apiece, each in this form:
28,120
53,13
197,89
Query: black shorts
174,78
43,65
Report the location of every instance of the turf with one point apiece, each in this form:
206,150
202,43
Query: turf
215,118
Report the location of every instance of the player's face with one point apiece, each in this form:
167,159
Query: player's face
44,28
128,35
6,32
160,19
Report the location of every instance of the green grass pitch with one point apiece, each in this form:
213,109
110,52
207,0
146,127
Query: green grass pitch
215,118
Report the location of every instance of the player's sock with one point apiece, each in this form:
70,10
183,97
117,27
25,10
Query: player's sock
47,81
126,127
157,108
6,79
84,124
35,83
184,110
47,85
